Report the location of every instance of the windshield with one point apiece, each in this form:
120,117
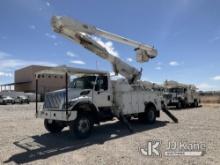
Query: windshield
83,82
176,90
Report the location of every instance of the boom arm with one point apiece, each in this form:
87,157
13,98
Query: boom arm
81,33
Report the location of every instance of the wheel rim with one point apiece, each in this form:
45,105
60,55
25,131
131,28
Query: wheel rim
83,125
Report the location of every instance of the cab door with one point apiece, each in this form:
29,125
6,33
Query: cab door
102,96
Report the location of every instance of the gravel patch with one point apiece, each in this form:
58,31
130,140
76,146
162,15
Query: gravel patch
24,140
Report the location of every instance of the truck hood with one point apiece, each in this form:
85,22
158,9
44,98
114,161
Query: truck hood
8,98
56,99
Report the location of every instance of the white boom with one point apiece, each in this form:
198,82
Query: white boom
81,33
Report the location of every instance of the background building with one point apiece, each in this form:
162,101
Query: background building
25,80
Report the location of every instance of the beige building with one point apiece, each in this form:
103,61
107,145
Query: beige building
25,80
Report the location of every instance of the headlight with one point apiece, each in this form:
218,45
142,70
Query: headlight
86,92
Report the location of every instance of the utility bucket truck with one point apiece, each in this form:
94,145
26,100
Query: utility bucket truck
181,95
92,97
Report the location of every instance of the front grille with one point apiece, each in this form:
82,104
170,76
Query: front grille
167,96
54,100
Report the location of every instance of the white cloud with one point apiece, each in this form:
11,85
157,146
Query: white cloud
33,27
159,63
15,63
216,78
45,63
144,78
70,54
5,74
173,63
129,59
205,86
48,4
55,44
3,55
8,62
158,68
11,63
108,45
214,39
77,62
52,36
4,37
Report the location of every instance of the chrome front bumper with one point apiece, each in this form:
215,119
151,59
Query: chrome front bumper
57,115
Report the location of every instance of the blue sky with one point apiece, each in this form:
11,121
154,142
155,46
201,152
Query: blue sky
186,34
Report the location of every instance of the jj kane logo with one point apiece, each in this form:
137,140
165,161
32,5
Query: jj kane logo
174,148
152,148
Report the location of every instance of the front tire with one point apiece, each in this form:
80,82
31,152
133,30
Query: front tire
4,103
53,126
179,105
82,126
195,104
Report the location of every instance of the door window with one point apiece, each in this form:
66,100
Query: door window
102,83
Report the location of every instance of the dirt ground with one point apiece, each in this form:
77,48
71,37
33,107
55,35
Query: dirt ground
23,139
210,99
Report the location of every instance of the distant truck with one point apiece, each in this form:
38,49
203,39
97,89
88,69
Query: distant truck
181,95
6,100
159,89
22,99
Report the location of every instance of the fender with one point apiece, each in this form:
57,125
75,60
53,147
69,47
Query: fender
87,102
157,106
83,100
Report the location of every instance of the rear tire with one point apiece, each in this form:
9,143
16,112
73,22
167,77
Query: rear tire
149,116
53,126
82,126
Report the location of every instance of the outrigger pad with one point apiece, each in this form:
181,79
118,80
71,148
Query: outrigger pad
170,115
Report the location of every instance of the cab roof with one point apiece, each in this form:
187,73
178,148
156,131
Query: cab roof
61,70
175,84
